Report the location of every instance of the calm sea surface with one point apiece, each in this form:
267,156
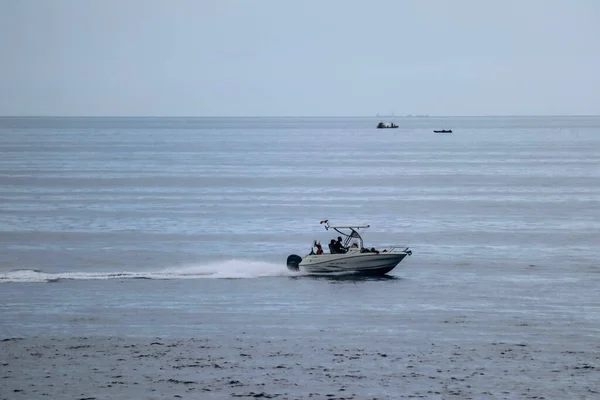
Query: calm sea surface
502,216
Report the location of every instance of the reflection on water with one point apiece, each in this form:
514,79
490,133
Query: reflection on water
352,278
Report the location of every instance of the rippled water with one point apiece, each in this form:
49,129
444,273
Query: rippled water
172,198
179,228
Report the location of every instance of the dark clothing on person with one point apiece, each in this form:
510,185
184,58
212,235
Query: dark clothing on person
332,247
338,247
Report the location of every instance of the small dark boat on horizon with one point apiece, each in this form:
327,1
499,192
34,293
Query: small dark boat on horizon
443,131
381,125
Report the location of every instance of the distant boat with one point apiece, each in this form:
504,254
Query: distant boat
381,125
443,131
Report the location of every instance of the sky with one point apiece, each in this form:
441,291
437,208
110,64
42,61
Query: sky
299,58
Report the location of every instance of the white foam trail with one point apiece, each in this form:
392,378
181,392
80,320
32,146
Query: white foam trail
231,269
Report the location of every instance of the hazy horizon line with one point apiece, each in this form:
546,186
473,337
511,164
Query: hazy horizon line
411,116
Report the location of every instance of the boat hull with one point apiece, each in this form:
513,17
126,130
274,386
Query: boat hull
358,263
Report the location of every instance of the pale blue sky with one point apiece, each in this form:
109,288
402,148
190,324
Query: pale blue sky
299,58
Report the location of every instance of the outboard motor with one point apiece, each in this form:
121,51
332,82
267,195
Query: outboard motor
293,262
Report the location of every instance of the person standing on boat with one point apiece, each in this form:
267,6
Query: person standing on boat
319,248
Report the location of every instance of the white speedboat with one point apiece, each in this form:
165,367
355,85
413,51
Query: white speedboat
353,257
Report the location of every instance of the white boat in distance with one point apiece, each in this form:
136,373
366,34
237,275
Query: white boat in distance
355,258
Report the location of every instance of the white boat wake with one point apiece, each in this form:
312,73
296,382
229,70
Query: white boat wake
230,269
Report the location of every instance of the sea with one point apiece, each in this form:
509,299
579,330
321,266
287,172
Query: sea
180,228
